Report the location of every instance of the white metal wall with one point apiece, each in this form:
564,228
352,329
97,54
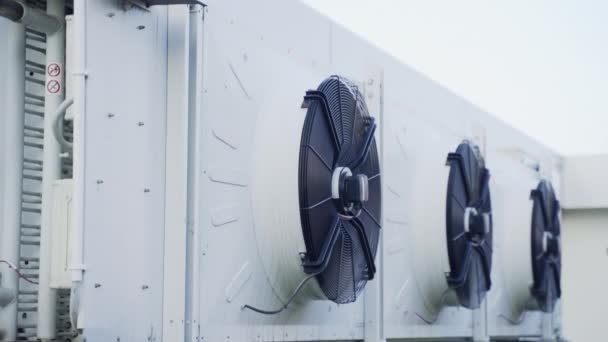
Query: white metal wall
258,60
585,279
124,172
585,248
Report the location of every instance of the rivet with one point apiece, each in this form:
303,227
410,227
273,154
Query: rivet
144,287
146,190
99,181
97,285
141,27
110,115
140,123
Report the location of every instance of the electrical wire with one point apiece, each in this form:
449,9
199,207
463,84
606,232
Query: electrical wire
291,298
436,316
16,270
518,321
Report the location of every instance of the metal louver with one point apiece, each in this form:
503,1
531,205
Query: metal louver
469,225
546,248
339,185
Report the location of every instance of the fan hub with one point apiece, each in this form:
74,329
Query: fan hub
476,224
349,191
551,244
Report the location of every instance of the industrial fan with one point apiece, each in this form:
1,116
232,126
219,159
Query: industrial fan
469,225
546,249
320,240
339,182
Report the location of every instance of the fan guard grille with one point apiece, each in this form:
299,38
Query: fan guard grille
339,183
546,249
469,225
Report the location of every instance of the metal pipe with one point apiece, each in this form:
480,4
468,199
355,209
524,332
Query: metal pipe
193,273
34,18
79,110
12,135
58,118
47,296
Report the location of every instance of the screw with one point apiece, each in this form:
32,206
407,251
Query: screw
111,15
146,190
97,285
99,181
144,287
110,115
140,123
141,27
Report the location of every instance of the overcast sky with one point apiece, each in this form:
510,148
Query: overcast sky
541,66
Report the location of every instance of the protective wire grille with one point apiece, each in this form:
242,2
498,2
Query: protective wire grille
469,225
341,239
546,249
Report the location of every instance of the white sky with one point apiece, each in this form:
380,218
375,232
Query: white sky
541,66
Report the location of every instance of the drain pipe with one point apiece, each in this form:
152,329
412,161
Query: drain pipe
55,56
33,18
11,132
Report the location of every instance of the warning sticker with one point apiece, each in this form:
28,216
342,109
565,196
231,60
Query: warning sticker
54,78
53,86
53,70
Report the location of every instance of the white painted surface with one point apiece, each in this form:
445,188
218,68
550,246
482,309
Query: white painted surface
252,71
585,279
122,170
51,171
60,225
585,184
176,174
11,133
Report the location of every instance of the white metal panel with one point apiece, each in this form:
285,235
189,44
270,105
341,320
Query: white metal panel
257,66
514,175
585,259
585,185
124,171
176,174
60,224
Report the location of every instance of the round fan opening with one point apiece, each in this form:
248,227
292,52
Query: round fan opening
546,246
340,190
469,225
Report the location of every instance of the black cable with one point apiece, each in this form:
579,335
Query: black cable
21,275
291,298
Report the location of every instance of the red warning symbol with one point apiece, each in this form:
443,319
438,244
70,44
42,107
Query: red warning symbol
53,87
53,69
